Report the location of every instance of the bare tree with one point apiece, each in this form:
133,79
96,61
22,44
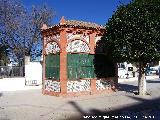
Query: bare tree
20,28
40,15
11,13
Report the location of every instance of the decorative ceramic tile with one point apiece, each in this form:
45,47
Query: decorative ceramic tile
52,86
78,86
77,46
71,36
104,84
52,48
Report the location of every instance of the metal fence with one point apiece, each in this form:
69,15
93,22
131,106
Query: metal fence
11,71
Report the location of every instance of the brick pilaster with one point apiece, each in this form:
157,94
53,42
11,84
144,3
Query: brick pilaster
43,72
92,43
63,62
92,51
43,64
93,86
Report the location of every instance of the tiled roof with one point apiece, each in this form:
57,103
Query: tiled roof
81,24
74,24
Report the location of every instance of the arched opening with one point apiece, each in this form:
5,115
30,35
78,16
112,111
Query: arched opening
77,46
52,61
79,61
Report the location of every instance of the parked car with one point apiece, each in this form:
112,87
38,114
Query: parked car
154,70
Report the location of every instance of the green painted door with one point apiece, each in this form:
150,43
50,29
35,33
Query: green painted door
80,66
52,66
72,64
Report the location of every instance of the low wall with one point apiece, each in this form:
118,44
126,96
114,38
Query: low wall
80,87
15,84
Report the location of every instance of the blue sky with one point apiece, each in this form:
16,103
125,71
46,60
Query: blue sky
98,11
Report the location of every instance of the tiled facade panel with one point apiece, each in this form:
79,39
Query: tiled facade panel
78,86
52,86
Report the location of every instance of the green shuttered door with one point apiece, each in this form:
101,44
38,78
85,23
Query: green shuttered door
80,66
52,66
72,64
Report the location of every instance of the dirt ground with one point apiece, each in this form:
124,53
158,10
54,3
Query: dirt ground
124,104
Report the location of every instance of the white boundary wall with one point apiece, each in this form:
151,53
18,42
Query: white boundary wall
15,84
33,72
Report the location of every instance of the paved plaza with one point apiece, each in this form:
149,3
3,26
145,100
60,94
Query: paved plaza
32,105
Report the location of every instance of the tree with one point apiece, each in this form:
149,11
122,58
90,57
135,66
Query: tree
133,35
12,13
20,28
40,15
3,55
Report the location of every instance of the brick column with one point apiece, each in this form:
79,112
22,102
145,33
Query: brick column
92,51
43,69
93,86
63,62
92,43
43,64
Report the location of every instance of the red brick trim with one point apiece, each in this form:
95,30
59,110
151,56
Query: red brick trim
43,64
93,85
45,92
76,94
63,62
92,43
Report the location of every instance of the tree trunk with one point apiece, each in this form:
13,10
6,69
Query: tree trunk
141,80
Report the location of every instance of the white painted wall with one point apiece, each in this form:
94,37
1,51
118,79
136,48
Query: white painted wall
33,73
15,84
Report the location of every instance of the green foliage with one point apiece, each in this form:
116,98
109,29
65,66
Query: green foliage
133,32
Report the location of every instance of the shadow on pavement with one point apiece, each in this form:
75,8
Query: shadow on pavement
1,94
127,88
153,81
145,109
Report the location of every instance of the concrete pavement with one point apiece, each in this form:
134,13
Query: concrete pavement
15,84
32,105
